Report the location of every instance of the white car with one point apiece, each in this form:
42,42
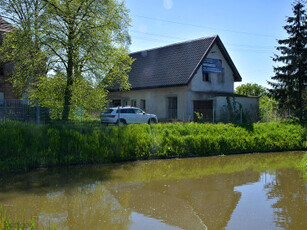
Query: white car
127,115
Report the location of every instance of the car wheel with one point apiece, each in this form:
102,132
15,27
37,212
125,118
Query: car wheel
121,122
152,121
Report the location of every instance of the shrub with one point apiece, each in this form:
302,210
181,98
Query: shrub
26,146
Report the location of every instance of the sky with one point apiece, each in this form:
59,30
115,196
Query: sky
249,29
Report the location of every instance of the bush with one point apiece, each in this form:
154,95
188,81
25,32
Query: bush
29,146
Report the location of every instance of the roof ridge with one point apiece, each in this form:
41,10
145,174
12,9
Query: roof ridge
174,44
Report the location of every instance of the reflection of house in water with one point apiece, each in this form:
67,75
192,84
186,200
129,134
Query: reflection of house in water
189,203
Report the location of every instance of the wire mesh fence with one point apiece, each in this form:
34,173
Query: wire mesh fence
84,119
23,111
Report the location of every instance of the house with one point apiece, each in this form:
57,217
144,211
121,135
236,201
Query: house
179,81
6,88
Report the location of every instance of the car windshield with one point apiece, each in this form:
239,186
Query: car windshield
108,111
138,111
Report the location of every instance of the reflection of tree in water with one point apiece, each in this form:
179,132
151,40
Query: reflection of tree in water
90,206
291,207
70,198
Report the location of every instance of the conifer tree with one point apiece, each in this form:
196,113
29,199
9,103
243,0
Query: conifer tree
289,85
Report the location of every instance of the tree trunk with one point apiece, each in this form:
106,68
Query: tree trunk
67,93
69,80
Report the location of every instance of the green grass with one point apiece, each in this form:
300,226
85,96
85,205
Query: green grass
26,146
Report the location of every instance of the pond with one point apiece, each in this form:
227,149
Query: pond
248,191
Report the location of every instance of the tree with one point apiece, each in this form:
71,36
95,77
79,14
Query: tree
267,105
21,45
289,87
251,90
84,46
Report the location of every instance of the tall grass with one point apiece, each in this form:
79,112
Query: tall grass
30,146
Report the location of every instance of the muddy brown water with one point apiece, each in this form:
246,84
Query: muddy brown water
250,191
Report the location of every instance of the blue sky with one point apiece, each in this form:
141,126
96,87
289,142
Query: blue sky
249,29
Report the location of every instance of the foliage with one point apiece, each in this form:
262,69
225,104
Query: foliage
289,87
303,165
233,111
7,223
69,52
268,109
22,45
29,146
200,117
251,90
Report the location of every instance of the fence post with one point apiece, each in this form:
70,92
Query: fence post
118,125
81,118
37,113
289,114
213,113
118,119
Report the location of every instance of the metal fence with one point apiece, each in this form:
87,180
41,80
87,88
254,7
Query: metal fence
23,111
82,118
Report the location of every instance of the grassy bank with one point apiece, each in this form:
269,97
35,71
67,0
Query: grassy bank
29,146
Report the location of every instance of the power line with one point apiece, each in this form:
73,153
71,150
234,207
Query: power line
233,49
268,48
205,27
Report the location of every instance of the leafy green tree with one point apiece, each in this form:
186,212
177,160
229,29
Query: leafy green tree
250,89
82,43
21,45
267,106
289,85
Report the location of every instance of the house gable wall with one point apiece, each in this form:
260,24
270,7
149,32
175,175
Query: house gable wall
198,85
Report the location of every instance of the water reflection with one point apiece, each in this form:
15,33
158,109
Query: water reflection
290,210
201,193
201,203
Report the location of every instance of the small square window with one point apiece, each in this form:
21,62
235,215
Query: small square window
206,77
125,102
143,104
115,103
1,70
133,103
